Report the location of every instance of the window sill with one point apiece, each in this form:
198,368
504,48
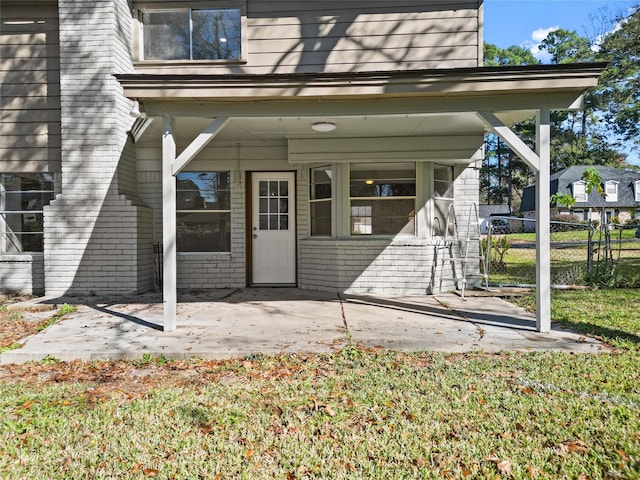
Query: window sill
186,63
203,254
20,256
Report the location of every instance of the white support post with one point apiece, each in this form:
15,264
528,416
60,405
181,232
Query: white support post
515,143
169,270
199,143
543,223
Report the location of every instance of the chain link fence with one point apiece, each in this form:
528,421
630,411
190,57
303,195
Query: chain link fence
580,253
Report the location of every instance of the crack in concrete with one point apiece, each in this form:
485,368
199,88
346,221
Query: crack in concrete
481,331
347,333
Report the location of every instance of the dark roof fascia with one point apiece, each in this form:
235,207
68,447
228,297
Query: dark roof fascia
444,73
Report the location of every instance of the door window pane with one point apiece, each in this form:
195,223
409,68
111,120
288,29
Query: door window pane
274,204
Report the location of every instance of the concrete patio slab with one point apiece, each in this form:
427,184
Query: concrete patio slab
238,323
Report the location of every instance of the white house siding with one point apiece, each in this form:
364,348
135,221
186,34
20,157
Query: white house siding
296,36
367,266
30,79
95,238
403,265
216,269
354,265
29,116
22,274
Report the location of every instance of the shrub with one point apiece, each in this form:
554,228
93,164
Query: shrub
566,218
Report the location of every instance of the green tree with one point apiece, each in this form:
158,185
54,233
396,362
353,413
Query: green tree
514,55
566,46
503,175
619,92
578,138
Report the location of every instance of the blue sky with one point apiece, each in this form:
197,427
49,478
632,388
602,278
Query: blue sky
526,23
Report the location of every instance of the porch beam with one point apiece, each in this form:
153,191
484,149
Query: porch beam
169,269
198,144
543,222
505,133
282,106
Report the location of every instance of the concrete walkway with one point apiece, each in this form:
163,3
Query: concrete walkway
238,323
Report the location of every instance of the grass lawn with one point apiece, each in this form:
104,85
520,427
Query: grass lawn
575,235
352,414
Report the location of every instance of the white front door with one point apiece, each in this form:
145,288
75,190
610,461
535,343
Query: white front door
273,235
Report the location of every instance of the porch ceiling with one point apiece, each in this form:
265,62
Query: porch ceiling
272,108
270,130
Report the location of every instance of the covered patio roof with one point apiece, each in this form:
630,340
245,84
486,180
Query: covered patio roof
421,103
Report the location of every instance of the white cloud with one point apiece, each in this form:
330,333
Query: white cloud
533,44
541,33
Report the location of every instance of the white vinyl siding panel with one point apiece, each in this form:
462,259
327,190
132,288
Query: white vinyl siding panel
461,148
30,77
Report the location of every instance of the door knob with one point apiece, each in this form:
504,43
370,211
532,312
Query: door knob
255,235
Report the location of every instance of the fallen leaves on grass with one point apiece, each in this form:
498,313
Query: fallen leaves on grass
12,331
570,446
503,465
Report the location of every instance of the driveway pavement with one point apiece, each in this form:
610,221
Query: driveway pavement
238,323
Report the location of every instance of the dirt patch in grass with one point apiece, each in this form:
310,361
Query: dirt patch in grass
19,323
16,325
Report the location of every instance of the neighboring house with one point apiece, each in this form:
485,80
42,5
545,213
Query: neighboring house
313,144
622,199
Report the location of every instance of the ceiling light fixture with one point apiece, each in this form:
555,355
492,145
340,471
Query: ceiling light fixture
323,127
368,181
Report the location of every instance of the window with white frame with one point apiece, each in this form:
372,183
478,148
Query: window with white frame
203,212
636,186
579,191
382,198
22,198
442,196
192,34
611,191
320,200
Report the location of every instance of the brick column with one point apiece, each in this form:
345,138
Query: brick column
97,233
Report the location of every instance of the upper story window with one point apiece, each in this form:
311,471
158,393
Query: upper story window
580,191
636,186
611,191
22,198
192,34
